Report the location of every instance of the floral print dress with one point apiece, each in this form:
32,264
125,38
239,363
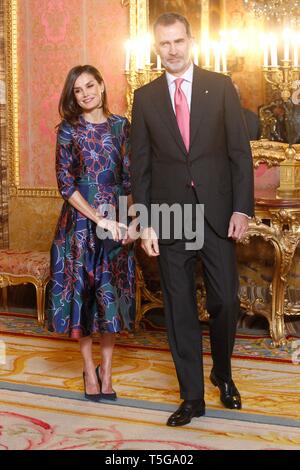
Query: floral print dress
92,286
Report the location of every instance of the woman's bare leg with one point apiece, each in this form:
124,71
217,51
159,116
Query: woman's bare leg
107,347
91,382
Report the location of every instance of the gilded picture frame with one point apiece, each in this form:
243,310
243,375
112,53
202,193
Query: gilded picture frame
12,80
139,16
140,13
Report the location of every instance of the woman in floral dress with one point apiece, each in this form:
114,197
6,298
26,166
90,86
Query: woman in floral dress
92,280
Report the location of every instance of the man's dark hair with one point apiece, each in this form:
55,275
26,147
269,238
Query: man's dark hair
167,19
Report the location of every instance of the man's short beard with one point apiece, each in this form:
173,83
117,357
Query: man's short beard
175,67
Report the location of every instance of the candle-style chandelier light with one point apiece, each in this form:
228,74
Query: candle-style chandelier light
282,11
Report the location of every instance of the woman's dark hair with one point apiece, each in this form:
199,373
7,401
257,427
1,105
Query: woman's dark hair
68,107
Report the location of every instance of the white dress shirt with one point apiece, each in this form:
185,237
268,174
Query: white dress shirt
186,87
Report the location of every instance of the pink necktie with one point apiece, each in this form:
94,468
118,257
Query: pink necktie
182,113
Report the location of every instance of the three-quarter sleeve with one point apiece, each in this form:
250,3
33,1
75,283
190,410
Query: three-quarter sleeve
64,161
126,155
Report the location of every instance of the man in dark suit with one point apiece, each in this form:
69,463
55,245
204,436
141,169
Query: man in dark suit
190,146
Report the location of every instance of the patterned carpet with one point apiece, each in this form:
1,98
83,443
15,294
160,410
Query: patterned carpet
36,422
247,344
41,385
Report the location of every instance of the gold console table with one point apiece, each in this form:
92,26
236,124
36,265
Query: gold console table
278,222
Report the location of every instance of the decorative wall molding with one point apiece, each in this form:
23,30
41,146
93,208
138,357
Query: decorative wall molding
12,79
3,140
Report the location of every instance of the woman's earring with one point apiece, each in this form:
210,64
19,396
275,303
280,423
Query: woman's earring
101,104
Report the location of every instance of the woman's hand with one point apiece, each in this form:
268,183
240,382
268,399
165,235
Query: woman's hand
117,229
132,233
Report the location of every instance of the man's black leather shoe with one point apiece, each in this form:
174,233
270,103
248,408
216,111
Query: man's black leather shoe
229,394
187,411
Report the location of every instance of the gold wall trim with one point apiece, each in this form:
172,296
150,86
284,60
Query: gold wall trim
27,191
13,150
139,17
4,233
10,20
35,192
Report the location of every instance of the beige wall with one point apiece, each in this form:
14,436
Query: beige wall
32,222
248,75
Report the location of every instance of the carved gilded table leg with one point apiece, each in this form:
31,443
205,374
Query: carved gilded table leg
285,223
275,316
288,243
277,328
284,234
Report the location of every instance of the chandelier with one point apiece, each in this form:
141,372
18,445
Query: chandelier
286,11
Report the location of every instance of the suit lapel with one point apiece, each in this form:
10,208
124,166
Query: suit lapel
162,100
199,101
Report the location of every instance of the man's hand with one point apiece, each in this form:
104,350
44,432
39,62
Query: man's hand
150,242
238,226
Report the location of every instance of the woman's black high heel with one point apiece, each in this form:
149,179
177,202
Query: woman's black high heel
91,396
107,396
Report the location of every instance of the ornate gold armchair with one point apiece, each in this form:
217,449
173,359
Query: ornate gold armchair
22,267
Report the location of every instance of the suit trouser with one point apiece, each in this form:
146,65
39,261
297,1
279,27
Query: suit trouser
178,279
